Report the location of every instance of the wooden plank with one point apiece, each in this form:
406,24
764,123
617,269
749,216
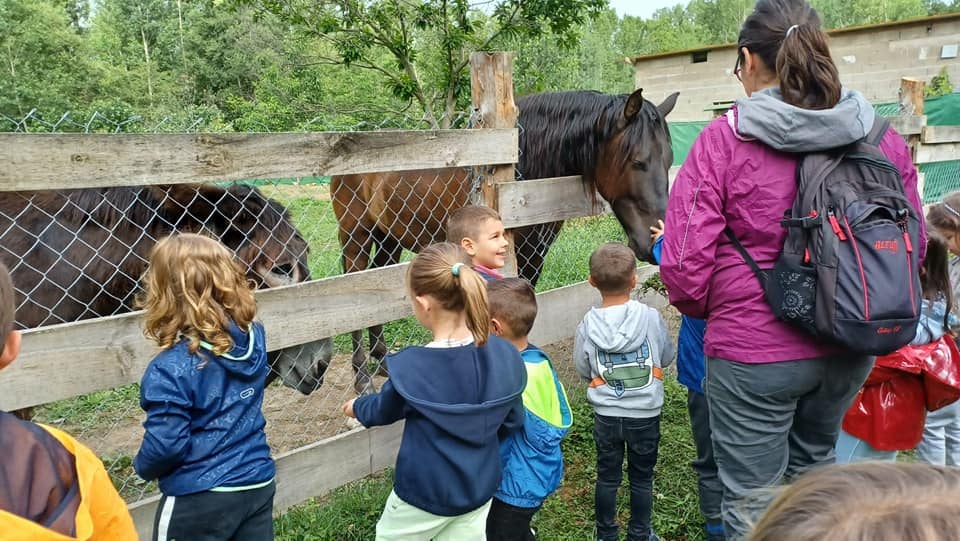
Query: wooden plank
938,153
58,161
940,134
109,352
311,471
538,201
908,125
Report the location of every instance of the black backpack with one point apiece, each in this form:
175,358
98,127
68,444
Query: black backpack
848,271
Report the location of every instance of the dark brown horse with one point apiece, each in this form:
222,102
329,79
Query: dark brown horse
619,144
79,254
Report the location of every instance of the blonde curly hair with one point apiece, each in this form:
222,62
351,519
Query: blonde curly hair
194,288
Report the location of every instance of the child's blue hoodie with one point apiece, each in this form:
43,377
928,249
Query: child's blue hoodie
455,402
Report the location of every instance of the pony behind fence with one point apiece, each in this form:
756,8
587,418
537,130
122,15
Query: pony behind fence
79,254
619,144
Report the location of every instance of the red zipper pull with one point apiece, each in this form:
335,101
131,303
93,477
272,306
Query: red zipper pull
907,243
806,256
835,225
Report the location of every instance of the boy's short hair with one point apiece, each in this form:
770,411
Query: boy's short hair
8,306
465,222
513,303
612,267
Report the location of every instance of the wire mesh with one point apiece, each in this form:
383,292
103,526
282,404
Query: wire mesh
79,254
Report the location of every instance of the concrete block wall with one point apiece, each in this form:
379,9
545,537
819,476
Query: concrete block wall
871,60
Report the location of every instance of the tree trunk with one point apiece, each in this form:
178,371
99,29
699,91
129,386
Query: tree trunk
146,56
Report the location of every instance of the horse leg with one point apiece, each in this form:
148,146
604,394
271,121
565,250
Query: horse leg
388,253
354,228
532,244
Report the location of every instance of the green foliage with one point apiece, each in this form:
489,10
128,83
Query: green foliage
939,85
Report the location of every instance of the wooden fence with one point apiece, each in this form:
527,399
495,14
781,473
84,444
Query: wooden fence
108,352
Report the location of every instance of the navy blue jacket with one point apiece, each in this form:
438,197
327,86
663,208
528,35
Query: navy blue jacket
455,402
690,359
204,426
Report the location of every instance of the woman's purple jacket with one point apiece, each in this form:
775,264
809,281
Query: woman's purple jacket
740,174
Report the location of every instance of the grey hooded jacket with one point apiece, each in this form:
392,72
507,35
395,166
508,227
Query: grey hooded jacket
621,329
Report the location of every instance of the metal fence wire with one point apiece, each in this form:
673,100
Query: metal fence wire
79,254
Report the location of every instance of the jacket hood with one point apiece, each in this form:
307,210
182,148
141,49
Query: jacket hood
464,390
789,128
618,328
245,358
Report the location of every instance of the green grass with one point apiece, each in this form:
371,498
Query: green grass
351,512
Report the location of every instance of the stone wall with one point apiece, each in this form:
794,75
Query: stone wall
871,59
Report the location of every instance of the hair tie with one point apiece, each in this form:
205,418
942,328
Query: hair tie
951,210
790,30
455,269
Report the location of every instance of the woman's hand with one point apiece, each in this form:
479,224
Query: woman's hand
347,408
656,231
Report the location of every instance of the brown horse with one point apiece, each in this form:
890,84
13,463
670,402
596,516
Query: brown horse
79,254
620,144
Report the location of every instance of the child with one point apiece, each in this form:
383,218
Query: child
888,413
941,433
878,501
456,394
204,437
620,348
690,372
479,231
51,486
532,460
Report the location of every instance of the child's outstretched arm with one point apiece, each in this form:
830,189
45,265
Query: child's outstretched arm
383,408
166,438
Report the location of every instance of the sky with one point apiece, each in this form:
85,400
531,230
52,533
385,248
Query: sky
641,8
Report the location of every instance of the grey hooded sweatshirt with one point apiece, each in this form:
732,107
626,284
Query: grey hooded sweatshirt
634,329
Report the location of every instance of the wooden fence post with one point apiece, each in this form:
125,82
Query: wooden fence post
911,105
491,85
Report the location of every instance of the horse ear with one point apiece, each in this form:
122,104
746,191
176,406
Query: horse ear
668,104
634,104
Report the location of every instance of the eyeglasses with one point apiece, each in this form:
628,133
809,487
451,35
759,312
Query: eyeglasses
738,69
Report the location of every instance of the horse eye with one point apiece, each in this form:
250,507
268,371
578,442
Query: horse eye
285,269
641,165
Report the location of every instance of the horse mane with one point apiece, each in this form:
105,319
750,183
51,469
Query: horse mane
561,132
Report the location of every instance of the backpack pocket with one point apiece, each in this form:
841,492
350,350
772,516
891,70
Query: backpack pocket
791,291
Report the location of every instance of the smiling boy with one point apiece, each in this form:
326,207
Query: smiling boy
480,232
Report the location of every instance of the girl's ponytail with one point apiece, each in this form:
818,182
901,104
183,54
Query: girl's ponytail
474,289
443,271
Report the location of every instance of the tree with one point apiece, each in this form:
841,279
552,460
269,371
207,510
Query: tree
939,85
399,39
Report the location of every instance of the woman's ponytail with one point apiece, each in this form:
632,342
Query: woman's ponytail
808,77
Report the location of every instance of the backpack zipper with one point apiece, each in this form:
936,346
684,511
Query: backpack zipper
863,276
908,249
835,224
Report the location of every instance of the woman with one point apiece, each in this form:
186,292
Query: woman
776,395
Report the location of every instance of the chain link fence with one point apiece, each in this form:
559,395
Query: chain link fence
78,254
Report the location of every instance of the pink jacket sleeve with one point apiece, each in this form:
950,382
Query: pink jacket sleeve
896,150
696,222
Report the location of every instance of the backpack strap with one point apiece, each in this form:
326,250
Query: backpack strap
879,129
746,257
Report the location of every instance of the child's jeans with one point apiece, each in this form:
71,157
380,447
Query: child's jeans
941,437
401,521
510,523
852,449
640,437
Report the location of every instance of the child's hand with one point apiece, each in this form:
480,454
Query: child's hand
656,231
347,408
